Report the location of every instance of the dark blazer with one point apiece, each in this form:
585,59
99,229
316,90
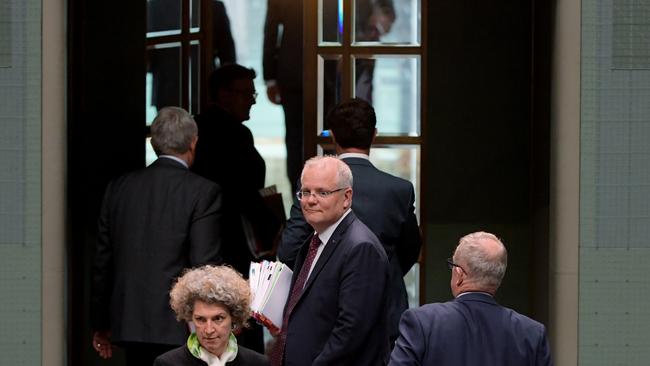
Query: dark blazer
470,330
153,223
181,356
226,154
340,318
386,204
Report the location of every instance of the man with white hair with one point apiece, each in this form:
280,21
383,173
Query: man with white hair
154,222
472,329
336,310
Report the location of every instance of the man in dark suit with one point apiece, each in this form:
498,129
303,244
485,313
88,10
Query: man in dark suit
153,223
383,202
282,65
472,329
226,154
336,310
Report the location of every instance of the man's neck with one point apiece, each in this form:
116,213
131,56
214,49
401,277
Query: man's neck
351,150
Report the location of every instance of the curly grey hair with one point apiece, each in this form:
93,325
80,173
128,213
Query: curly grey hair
173,131
486,269
212,285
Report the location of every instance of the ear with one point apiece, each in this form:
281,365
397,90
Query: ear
347,198
460,276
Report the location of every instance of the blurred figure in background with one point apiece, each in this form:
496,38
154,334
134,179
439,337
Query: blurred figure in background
226,154
282,65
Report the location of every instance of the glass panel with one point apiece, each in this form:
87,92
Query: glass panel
330,29
392,85
195,15
150,155
412,281
163,78
163,17
401,161
386,22
195,77
329,87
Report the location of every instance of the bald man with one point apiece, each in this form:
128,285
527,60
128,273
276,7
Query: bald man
472,329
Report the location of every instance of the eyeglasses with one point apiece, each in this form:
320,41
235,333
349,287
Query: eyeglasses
320,194
451,265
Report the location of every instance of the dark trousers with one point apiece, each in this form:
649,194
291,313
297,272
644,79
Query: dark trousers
141,354
292,106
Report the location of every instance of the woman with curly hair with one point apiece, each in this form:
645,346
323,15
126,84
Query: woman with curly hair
216,299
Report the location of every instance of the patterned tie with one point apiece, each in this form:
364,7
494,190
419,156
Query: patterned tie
278,350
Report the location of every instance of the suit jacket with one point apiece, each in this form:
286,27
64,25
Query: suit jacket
181,356
340,318
386,204
226,154
470,330
283,50
153,223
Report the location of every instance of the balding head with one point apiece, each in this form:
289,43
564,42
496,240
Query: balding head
483,259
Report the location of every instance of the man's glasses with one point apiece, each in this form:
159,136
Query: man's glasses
451,265
320,194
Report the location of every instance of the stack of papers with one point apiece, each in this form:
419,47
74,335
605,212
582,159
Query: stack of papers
270,283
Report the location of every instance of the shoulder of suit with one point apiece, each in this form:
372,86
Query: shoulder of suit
376,172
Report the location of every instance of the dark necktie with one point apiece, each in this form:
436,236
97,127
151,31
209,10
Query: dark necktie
278,350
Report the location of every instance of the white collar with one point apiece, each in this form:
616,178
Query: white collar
354,155
326,234
175,158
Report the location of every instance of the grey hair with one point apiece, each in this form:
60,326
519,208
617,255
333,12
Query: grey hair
212,285
344,174
486,269
173,131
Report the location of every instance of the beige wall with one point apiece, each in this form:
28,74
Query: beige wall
565,175
53,180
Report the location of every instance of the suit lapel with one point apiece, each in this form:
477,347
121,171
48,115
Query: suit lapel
329,249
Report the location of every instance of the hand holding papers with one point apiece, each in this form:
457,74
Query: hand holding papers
270,283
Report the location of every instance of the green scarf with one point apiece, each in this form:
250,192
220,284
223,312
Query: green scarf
199,352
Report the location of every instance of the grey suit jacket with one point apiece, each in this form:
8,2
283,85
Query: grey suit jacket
470,330
153,223
386,204
340,318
